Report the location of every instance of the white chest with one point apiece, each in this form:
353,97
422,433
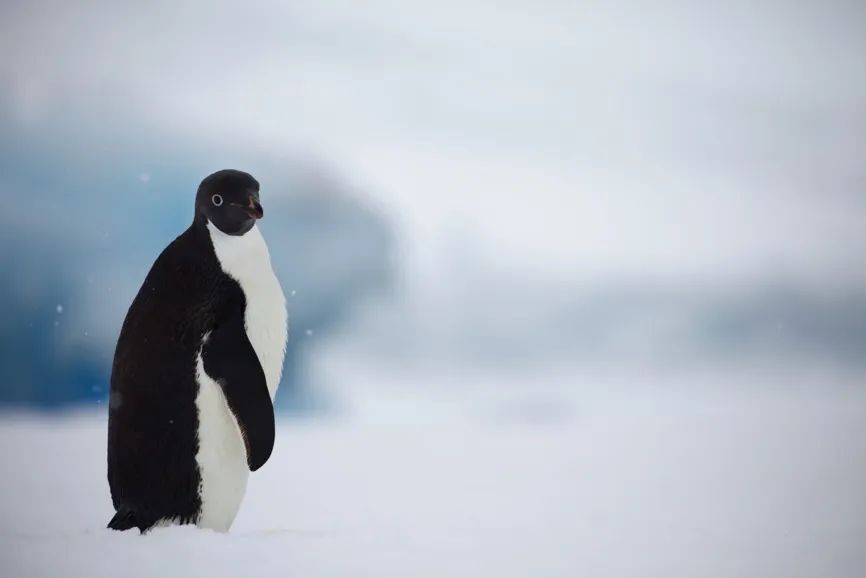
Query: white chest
246,259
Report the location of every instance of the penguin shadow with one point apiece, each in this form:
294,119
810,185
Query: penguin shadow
160,534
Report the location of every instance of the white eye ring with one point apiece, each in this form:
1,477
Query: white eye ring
217,200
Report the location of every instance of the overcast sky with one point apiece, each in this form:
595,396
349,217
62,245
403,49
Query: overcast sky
713,142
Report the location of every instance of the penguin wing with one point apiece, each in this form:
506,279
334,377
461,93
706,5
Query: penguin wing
230,360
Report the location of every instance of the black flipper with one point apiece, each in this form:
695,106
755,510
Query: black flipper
230,360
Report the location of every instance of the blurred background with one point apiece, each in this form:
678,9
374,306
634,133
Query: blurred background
504,198
575,288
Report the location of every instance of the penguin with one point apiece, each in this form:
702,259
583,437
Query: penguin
196,367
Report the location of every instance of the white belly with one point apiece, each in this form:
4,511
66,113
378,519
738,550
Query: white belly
221,457
221,454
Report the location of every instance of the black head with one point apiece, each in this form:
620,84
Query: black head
230,200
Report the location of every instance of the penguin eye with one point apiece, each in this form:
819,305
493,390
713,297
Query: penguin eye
217,200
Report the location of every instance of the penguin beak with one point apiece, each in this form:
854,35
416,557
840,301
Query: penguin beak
254,208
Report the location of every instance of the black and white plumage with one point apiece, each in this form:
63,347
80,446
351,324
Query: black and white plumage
196,368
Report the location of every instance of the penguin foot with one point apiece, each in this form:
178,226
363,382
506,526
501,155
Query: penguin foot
125,519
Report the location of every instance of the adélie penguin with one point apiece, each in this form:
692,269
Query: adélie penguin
196,368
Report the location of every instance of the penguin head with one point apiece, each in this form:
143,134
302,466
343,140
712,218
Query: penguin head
230,200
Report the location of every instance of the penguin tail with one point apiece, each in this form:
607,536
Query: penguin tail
125,519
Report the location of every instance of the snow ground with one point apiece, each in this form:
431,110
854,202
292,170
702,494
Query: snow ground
733,485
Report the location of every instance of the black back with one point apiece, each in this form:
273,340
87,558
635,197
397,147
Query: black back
152,426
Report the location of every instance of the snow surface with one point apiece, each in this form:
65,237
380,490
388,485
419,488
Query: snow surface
729,485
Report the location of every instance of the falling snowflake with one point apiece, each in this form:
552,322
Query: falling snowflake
309,332
144,177
59,308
